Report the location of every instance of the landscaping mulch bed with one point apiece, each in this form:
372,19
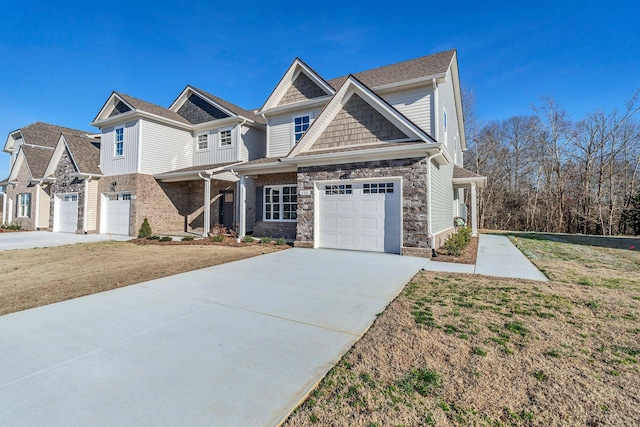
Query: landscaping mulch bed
468,256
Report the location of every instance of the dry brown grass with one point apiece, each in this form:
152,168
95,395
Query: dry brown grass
35,277
457,349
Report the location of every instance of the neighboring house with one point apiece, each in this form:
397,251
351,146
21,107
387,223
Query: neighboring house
74,173
370,161
168,164
27,188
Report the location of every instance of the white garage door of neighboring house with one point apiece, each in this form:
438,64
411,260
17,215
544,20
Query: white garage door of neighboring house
117,211
360,215
65,213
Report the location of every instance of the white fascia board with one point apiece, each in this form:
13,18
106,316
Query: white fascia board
55,157
8,145
218,123
211,101
303,105
167,175
458,100
411,82
136,114
20,160
480,181
86,175
264,168
103,110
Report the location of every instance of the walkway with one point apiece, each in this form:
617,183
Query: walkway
498,257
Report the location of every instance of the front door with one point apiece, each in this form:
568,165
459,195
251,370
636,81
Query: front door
226,209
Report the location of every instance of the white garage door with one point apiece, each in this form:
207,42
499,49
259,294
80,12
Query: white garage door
65,213
360,215
117,211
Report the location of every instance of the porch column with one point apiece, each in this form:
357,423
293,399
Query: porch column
207,206
36,218
474,211
242,207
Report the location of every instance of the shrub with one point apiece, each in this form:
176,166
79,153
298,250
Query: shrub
248,239
265,240
166,239
280,241
145,229
219,238
11,226
154,237
456,242
188,238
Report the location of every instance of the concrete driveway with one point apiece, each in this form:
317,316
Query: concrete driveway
238,344
42,239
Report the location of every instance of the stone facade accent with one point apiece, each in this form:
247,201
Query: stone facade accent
197,110
414,203
274,228
65,183
169,206
356,124
301,89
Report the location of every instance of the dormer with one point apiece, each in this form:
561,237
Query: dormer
12,145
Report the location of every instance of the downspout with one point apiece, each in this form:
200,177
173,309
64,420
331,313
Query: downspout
207,204
432,237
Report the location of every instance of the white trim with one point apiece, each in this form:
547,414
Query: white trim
281,203
302,105
230,144
206,148
116,142
293,125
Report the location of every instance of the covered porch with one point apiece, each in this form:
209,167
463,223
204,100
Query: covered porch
464,179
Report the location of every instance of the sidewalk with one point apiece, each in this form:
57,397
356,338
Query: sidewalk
498,257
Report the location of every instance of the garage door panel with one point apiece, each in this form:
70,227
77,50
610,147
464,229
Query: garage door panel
65,213
118,208
366,218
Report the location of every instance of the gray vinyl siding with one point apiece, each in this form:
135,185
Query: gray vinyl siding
281,131
415,104
446,99
164,148
441,197
253,143
128,162
214,153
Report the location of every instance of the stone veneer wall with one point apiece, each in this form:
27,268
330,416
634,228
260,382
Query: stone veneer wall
274,228
65,183
414,204
170,207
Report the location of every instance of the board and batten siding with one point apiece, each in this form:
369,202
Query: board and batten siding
447,102
128,162
281,131
92,206
253,143
164,148
415,104
214,153
441,197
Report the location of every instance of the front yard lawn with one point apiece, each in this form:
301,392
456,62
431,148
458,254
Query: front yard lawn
35,277
456,349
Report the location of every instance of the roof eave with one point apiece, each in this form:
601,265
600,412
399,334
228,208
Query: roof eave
136,114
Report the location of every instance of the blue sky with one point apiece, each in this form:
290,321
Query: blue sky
61,60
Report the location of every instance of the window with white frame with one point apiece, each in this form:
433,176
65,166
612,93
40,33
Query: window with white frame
375,188
24,205
119,142
225,138
281,203
338,189
203,141
444,119
300,126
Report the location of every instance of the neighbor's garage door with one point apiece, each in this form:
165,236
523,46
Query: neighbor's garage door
65,213
360,215
117,210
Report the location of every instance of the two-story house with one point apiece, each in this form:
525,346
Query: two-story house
168,164
28,189
369,161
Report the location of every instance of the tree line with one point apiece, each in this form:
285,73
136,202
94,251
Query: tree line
546,172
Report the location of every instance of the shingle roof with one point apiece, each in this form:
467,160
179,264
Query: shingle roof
459,172
356,148
232,107
262,161
45,134
201,167
148,107
402,71
37,159
85,152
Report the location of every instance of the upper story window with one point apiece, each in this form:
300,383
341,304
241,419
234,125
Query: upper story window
119,142
300,126
203,142
444,120
225,138
24,205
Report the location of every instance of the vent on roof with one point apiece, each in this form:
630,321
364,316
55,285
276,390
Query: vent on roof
119,109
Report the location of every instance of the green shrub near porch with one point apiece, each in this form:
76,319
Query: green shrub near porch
458,241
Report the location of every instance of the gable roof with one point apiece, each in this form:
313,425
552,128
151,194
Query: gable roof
352,86
37,159
424,66
85,153
233,108
136,105
42,134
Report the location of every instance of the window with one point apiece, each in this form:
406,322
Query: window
444,120
69,198
203,142
300,126
121,196
24,206
281,203
376,188
119,143
225,138
338,189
